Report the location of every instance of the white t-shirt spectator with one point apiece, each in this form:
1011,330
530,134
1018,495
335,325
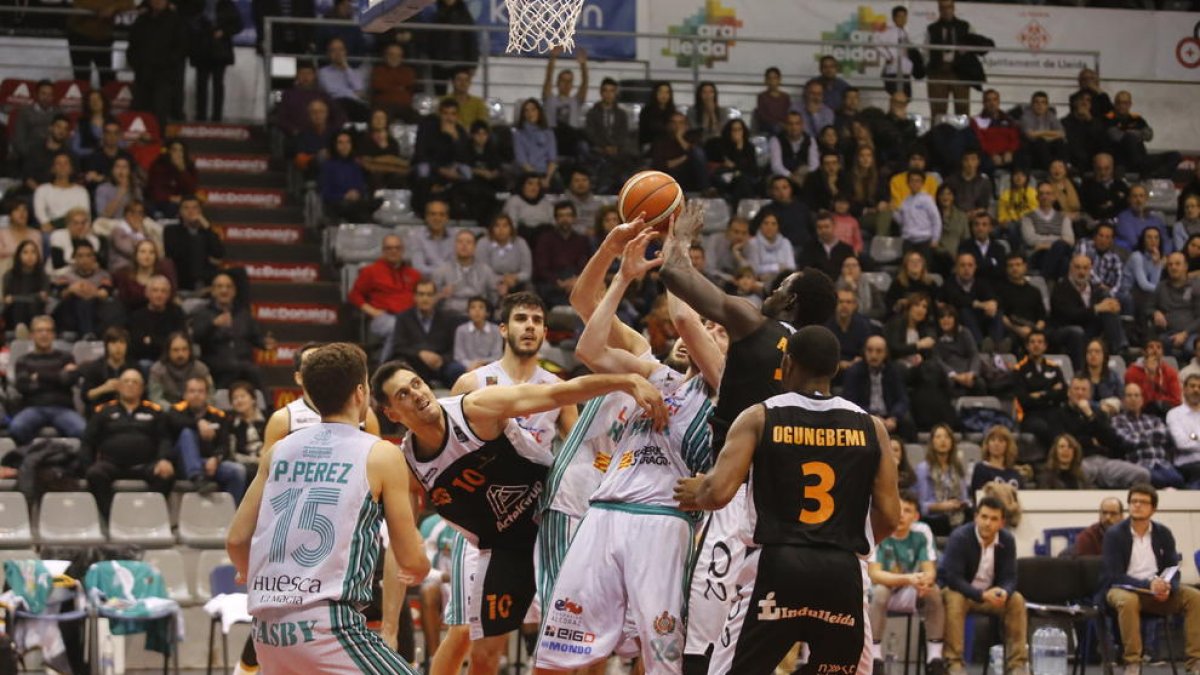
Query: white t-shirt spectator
51,202
769,258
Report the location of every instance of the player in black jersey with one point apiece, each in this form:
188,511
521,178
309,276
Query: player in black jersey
819,468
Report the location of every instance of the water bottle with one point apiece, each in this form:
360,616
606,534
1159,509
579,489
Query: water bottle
1056,651
889,657
1037,651
107,657
996,658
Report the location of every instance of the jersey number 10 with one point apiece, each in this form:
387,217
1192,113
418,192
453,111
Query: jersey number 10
284,505
818,493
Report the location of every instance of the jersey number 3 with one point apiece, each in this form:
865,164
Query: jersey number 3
818,493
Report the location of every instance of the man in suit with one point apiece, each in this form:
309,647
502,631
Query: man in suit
1041,390
828,253
973,298
424,337
1137,554
877,385
606,127
1079,305
989,253
978,573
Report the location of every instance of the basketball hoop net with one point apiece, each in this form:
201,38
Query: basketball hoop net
541,25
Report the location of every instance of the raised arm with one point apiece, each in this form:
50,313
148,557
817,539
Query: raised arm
703,349
493,405
716,489
548,81
589,287
885,495
738,316
581,56
593,347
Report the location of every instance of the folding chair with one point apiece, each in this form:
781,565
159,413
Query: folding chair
222,581
43,601
128,592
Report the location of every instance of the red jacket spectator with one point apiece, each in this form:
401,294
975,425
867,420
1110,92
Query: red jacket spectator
1160,388
385,286
999,137
170,178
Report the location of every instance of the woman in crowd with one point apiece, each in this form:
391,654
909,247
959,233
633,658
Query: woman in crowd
1188,224
736,176
910,335
26,286
912,277
379,154
212,53
118,191
535,149
131,279
169,375
905,475
172,177
870,299
706,115
999,460
768,251
528,207
131,231
954,229
1063,469
507,255
1191,249
90,127
247,427
608,217
845,226
1108,386
828,141
18,230
1019,199
652,121
869,192
1067,197
1143,271
942,483
957,353
342,183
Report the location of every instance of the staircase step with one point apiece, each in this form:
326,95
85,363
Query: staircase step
246,198
258,233
294,332
220,137
289,273
303,313
325,292
292,253
282,215
216,162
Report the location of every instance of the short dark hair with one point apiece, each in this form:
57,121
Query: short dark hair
564,205
849,89
520,299
772,70
479,298
1143,489
1039,94
608,81
899,9
969,151
44,83
425,281
580,170
116,334
919,174
697,247
382,374
463,69
815,298
1035,332
197,378
825,214
189,198
298,355
815,350
480,125
994,503
1014,254
448,103
917,152
339,367
242,385
81,245
910,497
1106,225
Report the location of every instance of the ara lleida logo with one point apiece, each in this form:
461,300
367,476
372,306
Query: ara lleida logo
861,30
716,27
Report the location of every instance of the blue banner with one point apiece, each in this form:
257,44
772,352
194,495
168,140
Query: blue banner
601,15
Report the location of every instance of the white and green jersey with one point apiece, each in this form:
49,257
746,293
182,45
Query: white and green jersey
543,426
647,463
301,415
303,552
439,542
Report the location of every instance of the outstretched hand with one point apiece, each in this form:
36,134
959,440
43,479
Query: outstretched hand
619,236
686,226
634,264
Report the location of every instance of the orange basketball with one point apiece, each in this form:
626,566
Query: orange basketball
653,193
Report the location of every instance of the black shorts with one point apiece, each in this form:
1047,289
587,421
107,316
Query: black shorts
792,594
501,592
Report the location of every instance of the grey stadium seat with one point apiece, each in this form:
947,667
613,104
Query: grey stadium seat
208,561
203,521
140,518
69,518
1063,361
358,243
169,564
15,529
886,250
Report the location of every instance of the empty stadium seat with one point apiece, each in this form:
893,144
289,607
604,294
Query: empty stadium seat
716,214
1039,283
762,150
1064,362
348,275
989,402
878,280
915,452
406,138
208,561
169,564
1117,364
1171,361
1163,194
204,520
15,528
749,208
886,250
70,518
87,350
140,518
130,485
424,104
970,453
17,554
396,207
358,243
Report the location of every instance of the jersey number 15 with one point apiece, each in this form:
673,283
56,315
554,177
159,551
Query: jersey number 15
284,505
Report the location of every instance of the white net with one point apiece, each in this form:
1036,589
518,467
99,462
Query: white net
541,25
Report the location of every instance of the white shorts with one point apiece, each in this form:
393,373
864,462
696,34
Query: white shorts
333,636
719,559
626,561
555,532
464,558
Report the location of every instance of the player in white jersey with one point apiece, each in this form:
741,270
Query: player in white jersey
485,474
305,574
610,573
523,329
